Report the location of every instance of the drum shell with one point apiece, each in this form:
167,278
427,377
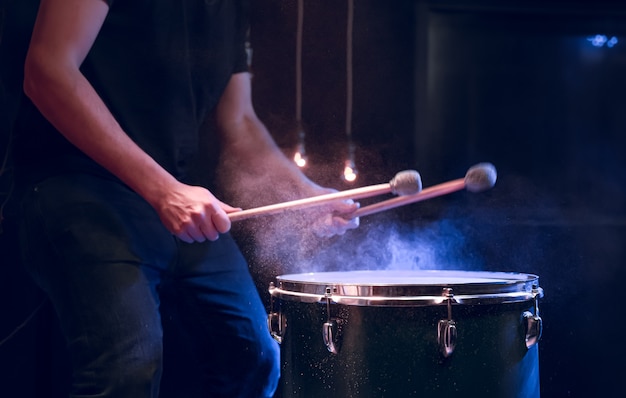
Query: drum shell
393,352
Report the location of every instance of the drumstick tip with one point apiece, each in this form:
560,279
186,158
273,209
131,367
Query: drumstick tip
407,182
480,177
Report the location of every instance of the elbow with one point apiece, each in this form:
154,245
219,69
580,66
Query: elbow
38,75
32,78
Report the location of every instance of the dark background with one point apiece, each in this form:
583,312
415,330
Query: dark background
438,87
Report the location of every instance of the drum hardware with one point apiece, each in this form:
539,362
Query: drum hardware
446,328
329,328
533,322
276,322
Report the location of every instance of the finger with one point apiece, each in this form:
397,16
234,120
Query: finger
322,227
343,225
345,206
221,222
196,233
184,236
209,231
229,209
195,227
334,225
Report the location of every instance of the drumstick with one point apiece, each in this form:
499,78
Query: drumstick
407,182
478,178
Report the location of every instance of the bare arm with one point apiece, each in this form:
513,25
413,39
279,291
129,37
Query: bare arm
64,32
247,145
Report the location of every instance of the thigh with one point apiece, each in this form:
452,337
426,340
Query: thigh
215,282
222,322
77,218
81,239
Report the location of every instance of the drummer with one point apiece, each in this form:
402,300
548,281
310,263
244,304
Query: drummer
117,96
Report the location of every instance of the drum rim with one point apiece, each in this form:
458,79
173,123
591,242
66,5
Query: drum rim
502,287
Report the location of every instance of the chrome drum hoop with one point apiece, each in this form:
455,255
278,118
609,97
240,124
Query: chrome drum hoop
407,288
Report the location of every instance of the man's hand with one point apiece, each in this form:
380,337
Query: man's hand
334,218
193,214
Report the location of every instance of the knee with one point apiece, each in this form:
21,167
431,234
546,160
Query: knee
140,371
129,370
265,371
270,360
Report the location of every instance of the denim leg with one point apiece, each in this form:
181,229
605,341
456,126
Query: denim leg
77,246
100,252
220,312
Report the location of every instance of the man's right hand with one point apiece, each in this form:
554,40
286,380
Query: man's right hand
194,214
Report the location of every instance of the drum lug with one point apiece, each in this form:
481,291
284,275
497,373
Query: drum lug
446,335
446,328
276,322
533,324
533,328
329,332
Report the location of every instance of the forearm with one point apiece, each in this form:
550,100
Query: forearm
250,159
254,157
256,172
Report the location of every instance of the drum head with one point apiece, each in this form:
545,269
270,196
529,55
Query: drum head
407,287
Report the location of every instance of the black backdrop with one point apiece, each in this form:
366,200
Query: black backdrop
438,86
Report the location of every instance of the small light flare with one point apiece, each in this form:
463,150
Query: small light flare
349,171
300,157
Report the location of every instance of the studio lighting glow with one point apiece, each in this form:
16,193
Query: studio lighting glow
300,156
349,171
603,40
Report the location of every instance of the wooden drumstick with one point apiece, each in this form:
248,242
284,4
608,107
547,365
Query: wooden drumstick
478,178
406,182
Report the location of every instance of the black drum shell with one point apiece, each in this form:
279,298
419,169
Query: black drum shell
386,351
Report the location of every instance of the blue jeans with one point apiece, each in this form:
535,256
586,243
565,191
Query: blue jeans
102,255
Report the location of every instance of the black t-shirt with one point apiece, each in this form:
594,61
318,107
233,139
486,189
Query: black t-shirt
160,66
